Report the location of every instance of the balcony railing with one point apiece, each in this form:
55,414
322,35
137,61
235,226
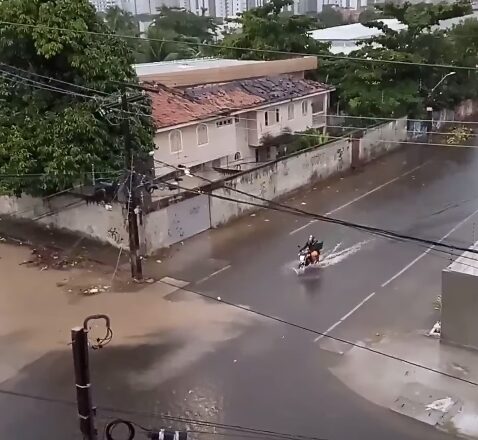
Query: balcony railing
318,120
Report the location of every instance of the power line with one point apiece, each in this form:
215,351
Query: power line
218,46
326,335
49,78
270,204
40,85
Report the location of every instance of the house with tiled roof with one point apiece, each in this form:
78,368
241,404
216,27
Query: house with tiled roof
223,124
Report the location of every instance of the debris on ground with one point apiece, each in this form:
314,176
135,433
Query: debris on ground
436,330
95,290
442,405
51,259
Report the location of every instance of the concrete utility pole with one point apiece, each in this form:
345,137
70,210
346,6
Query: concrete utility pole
133,204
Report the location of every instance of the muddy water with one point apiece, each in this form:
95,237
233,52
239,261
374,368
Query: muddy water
38,309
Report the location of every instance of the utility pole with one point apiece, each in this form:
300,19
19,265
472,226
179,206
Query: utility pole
86,412
132,203
81,363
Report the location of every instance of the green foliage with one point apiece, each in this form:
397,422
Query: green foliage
186,23
173,34
288,143
330,17
369,14
61,135
384,89
266,28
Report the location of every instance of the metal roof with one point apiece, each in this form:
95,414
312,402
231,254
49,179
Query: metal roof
355,31
183,65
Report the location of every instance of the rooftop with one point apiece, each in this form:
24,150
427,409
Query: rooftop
354,31
185,73
172,107
344,38
184,65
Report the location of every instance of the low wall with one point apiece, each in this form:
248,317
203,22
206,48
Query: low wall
291,173
382,139
188,216
175,223
279,178
70,214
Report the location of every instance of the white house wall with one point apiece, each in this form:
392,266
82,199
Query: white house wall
221,142
300,122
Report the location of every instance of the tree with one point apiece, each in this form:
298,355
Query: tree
167,45
60,135
122,22
266,29
186,23
330,17
369,14
378,88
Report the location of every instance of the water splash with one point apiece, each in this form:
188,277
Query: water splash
335,256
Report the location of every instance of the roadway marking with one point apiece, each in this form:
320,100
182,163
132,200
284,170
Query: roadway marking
394,277
217,272
356,199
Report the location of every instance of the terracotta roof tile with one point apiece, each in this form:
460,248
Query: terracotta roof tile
177,106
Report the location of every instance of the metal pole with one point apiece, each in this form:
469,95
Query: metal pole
429,122
86,412
133,232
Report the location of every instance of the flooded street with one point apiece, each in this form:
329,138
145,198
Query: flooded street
181,357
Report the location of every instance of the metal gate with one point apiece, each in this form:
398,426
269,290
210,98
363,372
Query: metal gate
187,218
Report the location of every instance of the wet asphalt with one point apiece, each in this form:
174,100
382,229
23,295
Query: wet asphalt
274,376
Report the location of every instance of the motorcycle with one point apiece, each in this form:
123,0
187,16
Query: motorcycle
305,259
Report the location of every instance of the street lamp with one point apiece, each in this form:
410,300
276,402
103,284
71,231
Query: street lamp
443,79
429,107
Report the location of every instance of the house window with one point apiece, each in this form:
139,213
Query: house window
271,116
318,105
223,122
202,134
237,156
305,107
290,111
175,141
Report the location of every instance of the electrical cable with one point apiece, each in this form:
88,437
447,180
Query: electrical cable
49,78
40,85
326,335
292,210
218,46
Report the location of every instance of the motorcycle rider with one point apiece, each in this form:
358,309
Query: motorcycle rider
314,247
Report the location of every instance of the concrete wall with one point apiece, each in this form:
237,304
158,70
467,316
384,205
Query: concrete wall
288,174
175,223
382,139
459,324
188,217
279,178
70,214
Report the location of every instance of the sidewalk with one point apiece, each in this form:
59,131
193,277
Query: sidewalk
448,404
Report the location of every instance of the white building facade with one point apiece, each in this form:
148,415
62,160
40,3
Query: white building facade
234,140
